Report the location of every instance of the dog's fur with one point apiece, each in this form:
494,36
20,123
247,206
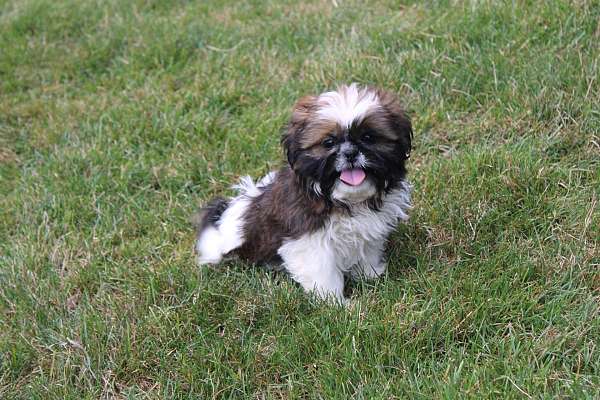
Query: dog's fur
306,217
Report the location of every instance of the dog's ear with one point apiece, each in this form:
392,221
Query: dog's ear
399,120
301,115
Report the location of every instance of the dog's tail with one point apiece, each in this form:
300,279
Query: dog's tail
219,223
206,221
209,214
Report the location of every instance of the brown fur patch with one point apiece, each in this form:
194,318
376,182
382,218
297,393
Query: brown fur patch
304,127
317,131
378,122
282,211
397,115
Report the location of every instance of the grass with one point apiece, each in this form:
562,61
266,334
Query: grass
118,118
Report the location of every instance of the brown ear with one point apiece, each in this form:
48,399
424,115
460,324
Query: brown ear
290,140
399,119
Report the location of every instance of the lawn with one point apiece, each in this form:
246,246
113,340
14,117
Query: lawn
117,118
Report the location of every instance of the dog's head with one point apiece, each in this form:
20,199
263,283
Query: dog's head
349,145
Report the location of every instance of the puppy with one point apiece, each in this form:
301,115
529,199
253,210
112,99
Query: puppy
330,210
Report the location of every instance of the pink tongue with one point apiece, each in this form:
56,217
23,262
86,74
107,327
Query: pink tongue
353,177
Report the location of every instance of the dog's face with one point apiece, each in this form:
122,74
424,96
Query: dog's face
350,145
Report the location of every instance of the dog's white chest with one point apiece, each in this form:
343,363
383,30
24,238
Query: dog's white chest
347,239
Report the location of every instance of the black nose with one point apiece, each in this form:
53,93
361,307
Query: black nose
351,153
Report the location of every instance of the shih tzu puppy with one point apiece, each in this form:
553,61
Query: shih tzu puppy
329,211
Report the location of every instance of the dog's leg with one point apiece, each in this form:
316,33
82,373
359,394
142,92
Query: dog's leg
313,267
372,265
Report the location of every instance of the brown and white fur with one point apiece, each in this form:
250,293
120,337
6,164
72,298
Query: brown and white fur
330,210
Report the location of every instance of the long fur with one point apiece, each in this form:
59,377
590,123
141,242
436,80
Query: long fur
304,217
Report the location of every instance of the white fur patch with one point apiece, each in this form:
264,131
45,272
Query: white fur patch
208,246
219,239
353,194
318,260
348,104
312,263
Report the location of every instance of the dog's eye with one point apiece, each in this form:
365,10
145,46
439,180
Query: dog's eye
329,142
368,137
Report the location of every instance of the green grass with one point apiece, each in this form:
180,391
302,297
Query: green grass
118,117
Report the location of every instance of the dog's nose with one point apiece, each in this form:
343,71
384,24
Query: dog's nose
350,153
